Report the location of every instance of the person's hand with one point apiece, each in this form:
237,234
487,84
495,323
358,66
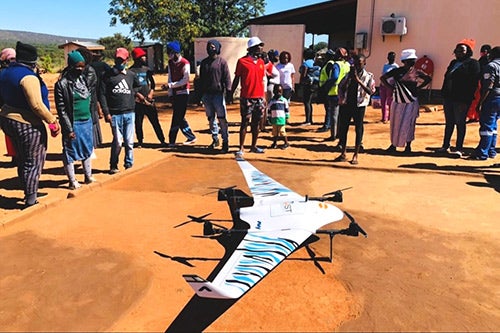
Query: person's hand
55,128
72,136
107,118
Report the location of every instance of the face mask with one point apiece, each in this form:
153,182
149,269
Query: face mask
120,66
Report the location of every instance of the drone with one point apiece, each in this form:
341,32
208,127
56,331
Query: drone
267,227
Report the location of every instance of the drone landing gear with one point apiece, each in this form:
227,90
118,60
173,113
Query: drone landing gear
353,230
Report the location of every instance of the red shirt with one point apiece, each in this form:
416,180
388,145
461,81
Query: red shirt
252,74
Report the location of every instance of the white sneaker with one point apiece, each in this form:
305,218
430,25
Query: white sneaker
442,150
189,142
457,153
74,185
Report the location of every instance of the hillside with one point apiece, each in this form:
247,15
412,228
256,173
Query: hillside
10,37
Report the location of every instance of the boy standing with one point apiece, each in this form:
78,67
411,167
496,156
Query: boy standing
278,114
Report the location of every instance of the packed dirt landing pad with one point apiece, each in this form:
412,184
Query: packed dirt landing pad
111,259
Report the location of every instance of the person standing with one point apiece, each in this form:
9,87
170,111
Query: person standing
489,108
385,91
7,56
72,93
117,98
144,101
215,82
25,106
354,95
340,69
287,74
459,84
278,114
309,78
178,90
250,71
472,115
405,106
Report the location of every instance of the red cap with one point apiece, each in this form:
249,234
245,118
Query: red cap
121,53
138,52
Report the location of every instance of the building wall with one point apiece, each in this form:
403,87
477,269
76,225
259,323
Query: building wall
434,28
283,37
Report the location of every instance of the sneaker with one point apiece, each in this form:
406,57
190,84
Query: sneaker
274,145
215,143
171,145
442,150
74,185
189,142
323,129
285,146
139,144
89,180
457,153
163,144
239,153
113,171
257,150
391,149
128,166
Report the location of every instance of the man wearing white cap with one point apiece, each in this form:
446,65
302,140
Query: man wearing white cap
250,70
405,104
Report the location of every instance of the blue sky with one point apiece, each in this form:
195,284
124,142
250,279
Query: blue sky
85,19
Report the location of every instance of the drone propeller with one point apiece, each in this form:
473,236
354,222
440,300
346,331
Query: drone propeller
335,196
217,189
201,219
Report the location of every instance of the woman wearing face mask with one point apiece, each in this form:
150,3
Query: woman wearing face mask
25,106
73,97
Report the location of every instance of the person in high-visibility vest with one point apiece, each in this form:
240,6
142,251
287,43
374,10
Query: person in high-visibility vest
339,69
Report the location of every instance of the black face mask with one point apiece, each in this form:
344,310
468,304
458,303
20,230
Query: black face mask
76,72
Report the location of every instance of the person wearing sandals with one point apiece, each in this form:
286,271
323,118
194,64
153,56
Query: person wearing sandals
404,109
354,95
251,72
72,98
278,114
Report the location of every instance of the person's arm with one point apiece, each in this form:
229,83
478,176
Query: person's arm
152,85
426,79
384,78
103,101
32,90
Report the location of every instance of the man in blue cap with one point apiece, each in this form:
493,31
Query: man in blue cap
178,89
215,80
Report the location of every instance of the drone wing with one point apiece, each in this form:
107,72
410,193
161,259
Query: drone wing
257,255
263,187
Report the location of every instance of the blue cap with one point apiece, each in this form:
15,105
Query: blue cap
174,46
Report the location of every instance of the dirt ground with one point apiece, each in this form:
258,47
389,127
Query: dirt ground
108,258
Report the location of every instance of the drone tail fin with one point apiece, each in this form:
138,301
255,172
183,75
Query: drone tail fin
206,289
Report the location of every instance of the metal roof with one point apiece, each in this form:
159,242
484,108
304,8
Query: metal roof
87,45
328,17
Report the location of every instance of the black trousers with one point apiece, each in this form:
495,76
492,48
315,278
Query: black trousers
151,112
346,113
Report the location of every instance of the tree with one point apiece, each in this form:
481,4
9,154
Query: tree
114,42
184,20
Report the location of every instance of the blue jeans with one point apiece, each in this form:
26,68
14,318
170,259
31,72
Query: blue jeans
215,107
332,115
122,127
488,126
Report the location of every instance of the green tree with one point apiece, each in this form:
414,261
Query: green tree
113,42
184,20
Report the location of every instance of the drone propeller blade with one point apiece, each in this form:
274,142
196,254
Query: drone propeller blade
217,189
313,257
333,192
198,218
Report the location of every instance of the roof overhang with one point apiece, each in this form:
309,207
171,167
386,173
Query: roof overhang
328,17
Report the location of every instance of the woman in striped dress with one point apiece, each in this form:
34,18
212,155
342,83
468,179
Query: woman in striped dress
405,104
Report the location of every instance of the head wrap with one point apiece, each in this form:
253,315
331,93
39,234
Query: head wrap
138,52
468,42
75,57
174,46
8,54
216,44
26,53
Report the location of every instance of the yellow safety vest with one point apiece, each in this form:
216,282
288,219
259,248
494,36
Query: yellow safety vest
324,76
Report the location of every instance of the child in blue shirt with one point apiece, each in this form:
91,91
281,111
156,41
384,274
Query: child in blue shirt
278,113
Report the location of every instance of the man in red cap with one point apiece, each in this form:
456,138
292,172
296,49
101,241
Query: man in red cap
144,101
117,98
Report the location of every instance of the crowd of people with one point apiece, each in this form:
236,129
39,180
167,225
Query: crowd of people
88,89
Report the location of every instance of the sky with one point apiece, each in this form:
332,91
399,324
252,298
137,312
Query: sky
87,18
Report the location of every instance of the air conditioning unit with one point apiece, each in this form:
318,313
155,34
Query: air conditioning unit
393,26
